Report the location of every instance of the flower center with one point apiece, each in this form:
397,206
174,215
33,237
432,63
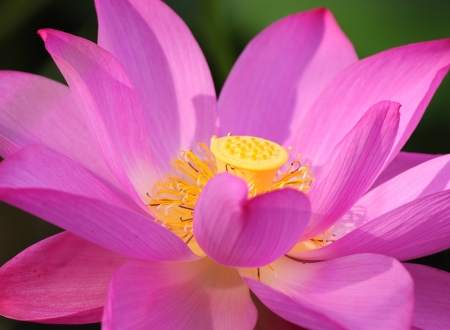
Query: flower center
255,160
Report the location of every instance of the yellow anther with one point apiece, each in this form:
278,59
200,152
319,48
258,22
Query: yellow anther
242,154
254,157
227,146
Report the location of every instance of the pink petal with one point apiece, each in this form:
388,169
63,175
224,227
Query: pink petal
62,279
434,177
51,186
37,110
280,74
352,167
402,162
413,230
40,167
195,295
408,75
268,320
109,104
167,68
237,232
365,291
432,293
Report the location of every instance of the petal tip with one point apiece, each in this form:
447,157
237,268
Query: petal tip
43,34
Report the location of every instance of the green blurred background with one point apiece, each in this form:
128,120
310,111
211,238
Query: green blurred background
223,28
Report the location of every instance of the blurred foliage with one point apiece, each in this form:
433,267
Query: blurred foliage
223,28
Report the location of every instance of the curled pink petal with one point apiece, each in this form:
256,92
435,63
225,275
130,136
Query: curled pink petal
408,75
167,69
352,167
237,232
62,279
280,74
410,231
37,110
364,291
432,296
110,107
192,295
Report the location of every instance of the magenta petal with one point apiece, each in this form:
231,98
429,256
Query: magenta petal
280,74
237,232
53,187
402,162
352,166
62,279
167,69
40,167
194,295
416,229
268,320
432,295
404,188
364,291
37,110
408,75
110,106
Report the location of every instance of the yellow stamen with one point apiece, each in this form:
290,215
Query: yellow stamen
256,160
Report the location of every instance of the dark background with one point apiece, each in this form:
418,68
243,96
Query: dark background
223,28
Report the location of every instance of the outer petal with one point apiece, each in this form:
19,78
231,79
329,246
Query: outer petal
401,163
406,187
37,110
357,292
413,230
432,293
117,229
40,167
109,104
62,279
195,295
280,74
42,182
353,166
237,232
409,75
167,68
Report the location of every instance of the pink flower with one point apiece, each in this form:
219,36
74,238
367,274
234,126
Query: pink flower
94,159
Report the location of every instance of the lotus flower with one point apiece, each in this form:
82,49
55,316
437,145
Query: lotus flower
164,231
